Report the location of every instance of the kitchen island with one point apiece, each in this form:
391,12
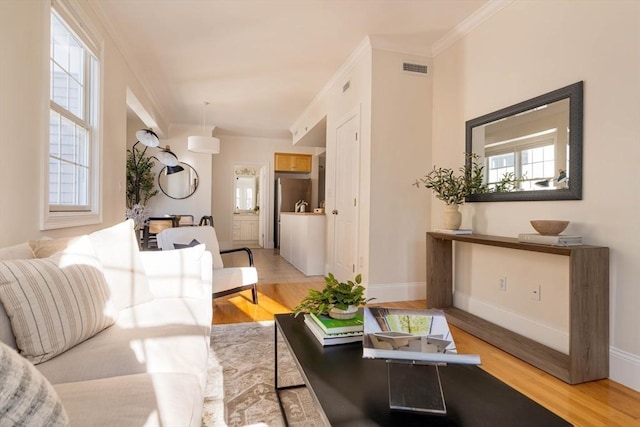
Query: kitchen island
302,241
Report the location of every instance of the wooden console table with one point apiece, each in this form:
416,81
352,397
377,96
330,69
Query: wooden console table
588,357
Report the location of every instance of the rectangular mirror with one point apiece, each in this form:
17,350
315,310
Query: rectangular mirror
539,141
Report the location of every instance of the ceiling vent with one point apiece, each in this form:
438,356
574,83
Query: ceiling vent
414,68
346,86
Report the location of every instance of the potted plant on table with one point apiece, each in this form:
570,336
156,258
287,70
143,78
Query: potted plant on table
453,189
339,300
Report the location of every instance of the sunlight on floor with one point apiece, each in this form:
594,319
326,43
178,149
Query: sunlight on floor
265,310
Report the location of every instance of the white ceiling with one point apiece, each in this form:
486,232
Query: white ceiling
260,63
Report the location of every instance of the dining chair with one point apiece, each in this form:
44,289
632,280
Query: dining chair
153,227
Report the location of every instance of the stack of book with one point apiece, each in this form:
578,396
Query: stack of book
329,331
559,240
457,232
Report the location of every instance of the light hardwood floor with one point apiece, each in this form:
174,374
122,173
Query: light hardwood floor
598,403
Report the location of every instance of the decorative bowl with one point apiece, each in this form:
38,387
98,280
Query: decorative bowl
548,227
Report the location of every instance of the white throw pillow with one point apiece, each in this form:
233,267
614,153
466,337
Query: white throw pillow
118,251
44,248
19,251
54,303
26,397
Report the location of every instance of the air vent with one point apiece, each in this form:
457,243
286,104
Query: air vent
346,86
414,68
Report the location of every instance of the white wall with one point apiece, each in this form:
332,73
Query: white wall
199,203
527,49
395,128
400,152
24,73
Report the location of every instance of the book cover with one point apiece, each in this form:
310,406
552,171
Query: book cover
459,231
409,334
334,339
338,326
560,240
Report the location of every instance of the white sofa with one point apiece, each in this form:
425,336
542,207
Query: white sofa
149,367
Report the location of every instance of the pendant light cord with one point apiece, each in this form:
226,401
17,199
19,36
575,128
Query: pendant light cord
204,117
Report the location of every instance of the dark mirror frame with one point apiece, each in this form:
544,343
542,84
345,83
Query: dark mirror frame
186,166
575,94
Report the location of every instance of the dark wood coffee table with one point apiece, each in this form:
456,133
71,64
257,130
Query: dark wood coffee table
352,391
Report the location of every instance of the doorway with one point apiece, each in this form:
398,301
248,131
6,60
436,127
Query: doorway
248,201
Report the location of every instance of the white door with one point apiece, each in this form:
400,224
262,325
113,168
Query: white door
345,239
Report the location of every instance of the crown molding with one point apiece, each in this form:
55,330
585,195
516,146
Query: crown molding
465,27
381,43
345,68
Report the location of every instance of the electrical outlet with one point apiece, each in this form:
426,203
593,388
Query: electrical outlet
535,293
502,283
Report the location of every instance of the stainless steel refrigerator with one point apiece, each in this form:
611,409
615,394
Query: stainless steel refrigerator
288,191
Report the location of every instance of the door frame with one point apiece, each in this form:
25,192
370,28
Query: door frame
262,174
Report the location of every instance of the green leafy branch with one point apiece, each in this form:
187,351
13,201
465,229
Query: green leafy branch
335,294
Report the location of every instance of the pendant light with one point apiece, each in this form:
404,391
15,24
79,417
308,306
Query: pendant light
203,144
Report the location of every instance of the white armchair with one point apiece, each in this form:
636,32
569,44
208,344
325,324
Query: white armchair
226,280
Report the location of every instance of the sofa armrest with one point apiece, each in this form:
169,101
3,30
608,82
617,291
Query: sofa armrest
179,273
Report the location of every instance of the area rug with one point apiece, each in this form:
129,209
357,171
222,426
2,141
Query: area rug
240,386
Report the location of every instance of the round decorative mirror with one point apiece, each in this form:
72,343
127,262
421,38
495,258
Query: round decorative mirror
178,182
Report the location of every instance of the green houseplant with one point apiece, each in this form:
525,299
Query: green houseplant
140,178
453,189
335,294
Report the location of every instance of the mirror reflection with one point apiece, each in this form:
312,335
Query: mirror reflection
176,183
538,141
246,189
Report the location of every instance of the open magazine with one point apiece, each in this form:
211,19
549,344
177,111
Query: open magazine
409,334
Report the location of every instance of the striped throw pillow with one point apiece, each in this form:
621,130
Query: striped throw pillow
26,397
53,303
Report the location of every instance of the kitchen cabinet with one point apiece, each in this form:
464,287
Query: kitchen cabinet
293,162
302,241
245,227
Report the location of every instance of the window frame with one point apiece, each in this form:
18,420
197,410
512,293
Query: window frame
516,148
63,216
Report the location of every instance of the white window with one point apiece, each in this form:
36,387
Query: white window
72,188
530,159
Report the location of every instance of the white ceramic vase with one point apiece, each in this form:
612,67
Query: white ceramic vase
452,217
338,313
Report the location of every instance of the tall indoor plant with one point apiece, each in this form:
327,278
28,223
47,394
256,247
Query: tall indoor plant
140,186
140,178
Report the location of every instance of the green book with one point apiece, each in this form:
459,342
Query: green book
337,326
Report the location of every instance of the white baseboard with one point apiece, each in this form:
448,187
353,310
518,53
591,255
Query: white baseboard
624,368
392,292
530,328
